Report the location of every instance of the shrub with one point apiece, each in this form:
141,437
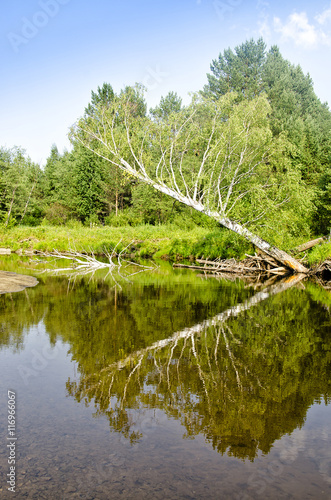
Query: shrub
30,220
220,244
57,214
124,218
320,253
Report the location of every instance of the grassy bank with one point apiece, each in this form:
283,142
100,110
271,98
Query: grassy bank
319,254
164,241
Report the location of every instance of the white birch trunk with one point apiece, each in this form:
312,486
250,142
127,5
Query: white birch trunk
169,177
279,255
11,206
28,200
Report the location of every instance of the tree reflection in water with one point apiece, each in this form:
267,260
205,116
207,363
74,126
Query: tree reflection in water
242,379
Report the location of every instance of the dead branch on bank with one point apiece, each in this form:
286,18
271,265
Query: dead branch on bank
309,244
83,263
252,266
322,274
255,270
261,266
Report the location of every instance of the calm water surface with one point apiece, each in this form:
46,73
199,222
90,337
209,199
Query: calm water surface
168,386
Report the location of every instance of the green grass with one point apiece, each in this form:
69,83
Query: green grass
145,240
168,241
319,254
164,241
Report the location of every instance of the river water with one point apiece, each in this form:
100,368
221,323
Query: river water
165,385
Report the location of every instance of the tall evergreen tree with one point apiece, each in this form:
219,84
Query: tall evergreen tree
296,111
104,95
171,103
87,174
50,177
238,71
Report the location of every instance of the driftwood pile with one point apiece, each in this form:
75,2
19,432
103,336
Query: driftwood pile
252,266
322,274
261,267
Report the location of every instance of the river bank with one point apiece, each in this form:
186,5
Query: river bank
167,242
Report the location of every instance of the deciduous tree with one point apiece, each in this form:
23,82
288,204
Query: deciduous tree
214,156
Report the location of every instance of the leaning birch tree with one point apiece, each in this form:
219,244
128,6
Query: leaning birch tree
215,157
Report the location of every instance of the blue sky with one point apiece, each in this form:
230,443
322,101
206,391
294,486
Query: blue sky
54,52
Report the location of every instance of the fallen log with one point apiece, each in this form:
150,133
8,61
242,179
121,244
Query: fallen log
278,270
252,265
309,244
82,264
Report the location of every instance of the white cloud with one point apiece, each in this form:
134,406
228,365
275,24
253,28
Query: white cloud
302,32
264,28
324,17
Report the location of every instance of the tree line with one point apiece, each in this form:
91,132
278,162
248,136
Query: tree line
257,111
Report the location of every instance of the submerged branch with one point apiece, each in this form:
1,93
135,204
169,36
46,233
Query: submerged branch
84,263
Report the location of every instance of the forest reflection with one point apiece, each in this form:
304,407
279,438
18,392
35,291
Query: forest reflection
239,367
242,379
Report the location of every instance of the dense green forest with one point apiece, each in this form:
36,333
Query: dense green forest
292,125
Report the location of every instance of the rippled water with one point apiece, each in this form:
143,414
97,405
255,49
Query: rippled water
169,385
